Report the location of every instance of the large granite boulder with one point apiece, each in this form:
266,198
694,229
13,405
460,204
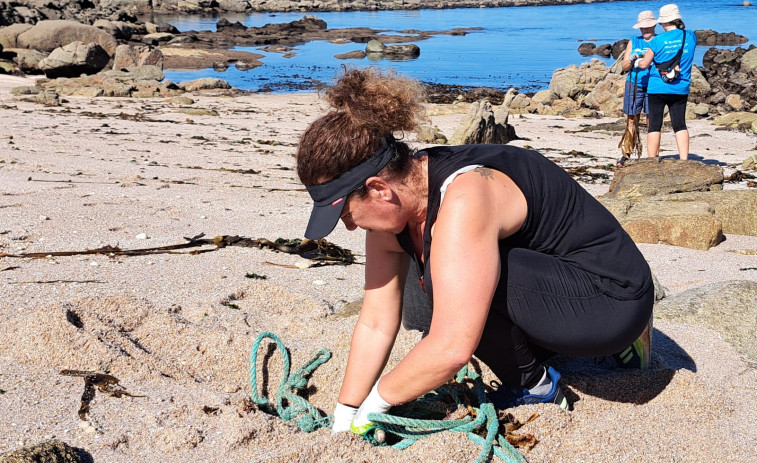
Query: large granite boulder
74,59
27,60
726,307
49,35
658,176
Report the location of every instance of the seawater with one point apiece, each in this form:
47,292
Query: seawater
515,47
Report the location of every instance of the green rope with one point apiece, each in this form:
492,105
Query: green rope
296,408
412,429
307,417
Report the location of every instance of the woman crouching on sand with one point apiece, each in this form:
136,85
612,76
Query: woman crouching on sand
518,260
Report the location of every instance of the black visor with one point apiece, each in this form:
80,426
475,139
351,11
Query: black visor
329,197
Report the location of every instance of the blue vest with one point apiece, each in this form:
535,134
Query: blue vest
665,46
639,46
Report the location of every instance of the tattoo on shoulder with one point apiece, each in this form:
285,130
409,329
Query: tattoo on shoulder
484,171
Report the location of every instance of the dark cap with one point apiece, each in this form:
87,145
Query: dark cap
329,197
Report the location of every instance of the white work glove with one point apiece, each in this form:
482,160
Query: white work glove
634,60
637,63
374,403
343,415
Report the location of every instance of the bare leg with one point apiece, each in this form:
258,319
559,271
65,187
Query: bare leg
653,143
682,142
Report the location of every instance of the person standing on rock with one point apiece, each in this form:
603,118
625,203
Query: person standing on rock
525,262
672,54
635,95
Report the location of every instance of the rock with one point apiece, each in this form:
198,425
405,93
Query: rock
749,60
736,119
691,225
207,83
607,95
618,48
750,163
52,451
182,100
9,35
243,65
543,97
430,134
658,176
754,127
48,97
699,84
736,209
709,37
603,50
586,49
374,46
725,307
355,54
118,29
480,127
156,38
74,59
701,109
48,35
138,73
735,102
25,90
27,60
129,56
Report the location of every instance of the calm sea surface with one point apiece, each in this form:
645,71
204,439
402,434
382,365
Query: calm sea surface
517,47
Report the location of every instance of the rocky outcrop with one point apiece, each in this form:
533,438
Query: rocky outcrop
376,50
481,126
731,76
709,38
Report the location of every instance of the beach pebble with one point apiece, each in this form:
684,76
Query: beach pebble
319,282
302,265
142,236
94,264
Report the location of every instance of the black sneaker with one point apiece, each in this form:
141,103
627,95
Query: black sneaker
622,161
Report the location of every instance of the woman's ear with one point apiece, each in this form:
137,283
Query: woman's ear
378,188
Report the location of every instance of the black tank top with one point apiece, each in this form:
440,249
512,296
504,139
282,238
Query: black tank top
563,219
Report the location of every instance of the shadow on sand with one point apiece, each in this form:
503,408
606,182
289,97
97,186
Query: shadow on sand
603,380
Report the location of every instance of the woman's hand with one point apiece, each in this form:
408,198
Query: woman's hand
374,403
343,415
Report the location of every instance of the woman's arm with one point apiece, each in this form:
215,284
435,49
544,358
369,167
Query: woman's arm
380,316
646,60
480,208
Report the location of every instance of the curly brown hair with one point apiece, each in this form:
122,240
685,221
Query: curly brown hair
367,105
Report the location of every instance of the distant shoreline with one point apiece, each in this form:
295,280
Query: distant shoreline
287,6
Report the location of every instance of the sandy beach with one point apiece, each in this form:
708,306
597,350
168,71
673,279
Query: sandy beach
176,329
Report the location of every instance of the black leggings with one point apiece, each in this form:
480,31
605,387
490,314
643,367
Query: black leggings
676,106
549,307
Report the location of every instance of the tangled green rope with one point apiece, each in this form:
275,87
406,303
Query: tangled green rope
298,410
